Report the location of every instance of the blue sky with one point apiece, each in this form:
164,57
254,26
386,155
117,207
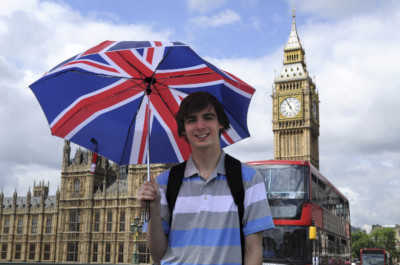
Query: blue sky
214,28
351,53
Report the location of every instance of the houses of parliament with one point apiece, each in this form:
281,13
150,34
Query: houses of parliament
89,218
86,221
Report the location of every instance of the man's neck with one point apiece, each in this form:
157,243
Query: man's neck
206,161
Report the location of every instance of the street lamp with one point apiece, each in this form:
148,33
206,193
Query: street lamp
136,230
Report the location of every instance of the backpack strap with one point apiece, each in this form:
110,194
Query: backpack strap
233,169
175,179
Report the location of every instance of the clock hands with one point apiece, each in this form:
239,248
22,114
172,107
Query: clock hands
290,107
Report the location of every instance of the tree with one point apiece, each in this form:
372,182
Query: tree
360,240
385,238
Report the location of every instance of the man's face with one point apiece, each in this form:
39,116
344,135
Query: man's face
202,129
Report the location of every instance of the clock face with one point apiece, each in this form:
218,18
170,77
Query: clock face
315,110
290,107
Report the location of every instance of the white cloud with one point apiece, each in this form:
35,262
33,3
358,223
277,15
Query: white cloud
257,72
24,176
355,62
204,6
223,18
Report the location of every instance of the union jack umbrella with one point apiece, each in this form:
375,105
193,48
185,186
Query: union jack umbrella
118,97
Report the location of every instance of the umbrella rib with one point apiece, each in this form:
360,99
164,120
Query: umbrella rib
142,75
130,127
184,75
164,79
85,73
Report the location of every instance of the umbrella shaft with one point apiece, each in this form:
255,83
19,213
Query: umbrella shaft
148,137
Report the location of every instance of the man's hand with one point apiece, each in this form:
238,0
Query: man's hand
149,192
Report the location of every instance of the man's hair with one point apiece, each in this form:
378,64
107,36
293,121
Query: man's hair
196,102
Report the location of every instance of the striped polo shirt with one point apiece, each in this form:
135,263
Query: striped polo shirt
205,225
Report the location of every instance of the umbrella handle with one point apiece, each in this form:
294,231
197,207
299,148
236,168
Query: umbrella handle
147,208
147,212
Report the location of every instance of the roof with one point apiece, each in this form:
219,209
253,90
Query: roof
293,71
293,41
50,201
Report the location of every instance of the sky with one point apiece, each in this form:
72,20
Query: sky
352,54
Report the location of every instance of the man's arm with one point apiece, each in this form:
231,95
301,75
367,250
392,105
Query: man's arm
253,249
156,238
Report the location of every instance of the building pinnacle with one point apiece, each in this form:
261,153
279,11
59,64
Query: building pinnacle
294,13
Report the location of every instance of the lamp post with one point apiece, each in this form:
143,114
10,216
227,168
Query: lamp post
136,230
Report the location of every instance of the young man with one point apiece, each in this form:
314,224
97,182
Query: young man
205,226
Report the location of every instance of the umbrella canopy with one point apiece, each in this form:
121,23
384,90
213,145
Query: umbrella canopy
118,97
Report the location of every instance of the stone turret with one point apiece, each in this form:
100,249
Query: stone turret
1,201
66,154
28,198
15,196
41,190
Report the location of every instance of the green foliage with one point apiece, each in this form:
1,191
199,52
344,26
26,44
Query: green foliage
384,238
360,240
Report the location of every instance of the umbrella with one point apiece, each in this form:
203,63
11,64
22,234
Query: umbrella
118,97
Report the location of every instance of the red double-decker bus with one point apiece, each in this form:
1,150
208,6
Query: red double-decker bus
371,256
311,216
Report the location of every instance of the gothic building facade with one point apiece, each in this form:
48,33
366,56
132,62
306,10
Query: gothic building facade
87,220
295,104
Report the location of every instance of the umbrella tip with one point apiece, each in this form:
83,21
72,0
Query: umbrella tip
150,81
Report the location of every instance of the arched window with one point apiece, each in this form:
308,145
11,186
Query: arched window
77,186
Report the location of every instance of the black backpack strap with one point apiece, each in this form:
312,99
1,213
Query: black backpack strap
175,179
233,169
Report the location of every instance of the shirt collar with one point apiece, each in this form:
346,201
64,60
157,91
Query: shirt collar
191,168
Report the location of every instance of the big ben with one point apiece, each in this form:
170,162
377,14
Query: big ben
295,106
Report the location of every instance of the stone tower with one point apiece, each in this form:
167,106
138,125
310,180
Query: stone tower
295,106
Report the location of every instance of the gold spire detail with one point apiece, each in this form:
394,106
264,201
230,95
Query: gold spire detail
294,13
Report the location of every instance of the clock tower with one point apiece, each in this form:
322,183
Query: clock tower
295,106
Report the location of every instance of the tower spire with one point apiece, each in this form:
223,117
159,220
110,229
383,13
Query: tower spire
293,41
294,14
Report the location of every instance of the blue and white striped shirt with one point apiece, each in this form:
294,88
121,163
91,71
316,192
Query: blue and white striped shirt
205,225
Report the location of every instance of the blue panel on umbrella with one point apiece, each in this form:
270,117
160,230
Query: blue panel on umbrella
111,139
161,150
56,94
94,57
125,45
180,57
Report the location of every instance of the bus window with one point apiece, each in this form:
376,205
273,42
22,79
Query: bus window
287,244
283,181
285,185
